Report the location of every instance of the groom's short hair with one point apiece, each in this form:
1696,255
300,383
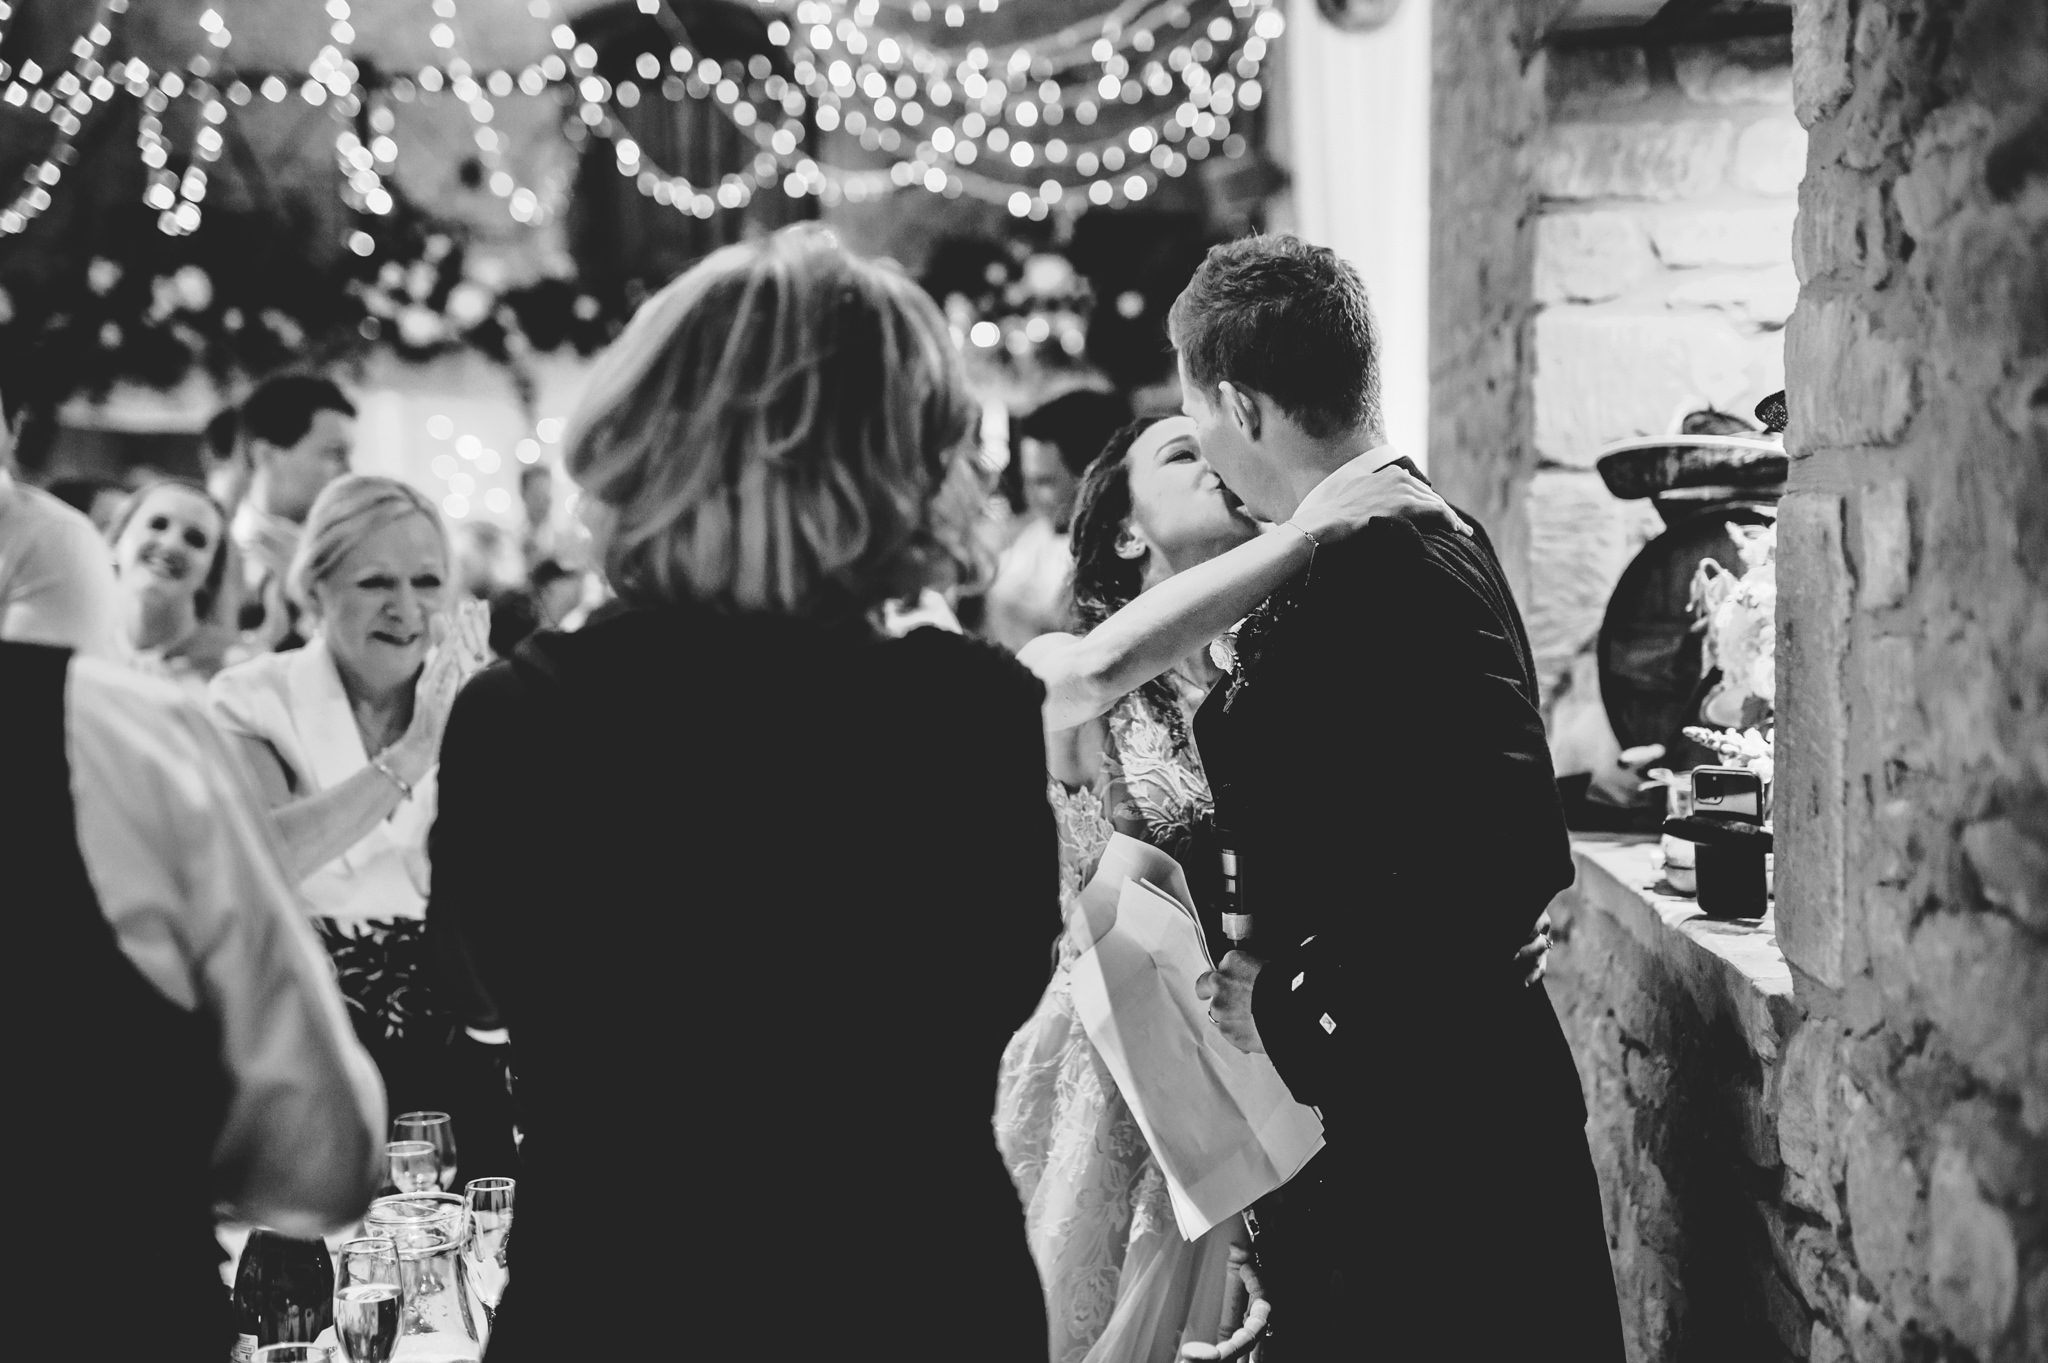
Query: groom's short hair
1289,321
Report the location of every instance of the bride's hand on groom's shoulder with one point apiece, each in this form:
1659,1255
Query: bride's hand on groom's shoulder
1368,488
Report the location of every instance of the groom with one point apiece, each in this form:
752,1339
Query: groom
1380,760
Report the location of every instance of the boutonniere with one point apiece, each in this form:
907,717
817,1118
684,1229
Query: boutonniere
1247,641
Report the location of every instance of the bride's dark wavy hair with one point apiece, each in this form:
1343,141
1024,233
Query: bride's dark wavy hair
1104,581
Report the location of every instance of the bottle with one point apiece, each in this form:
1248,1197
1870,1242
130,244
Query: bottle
1237,922
284,1292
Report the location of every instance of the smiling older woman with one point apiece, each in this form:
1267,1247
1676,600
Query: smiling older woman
344,737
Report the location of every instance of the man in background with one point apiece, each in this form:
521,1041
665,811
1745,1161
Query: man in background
1056,443
56,571
297,430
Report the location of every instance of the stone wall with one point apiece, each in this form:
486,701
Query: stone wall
1863,1173
1665,180
1913,643
1678,1024
1486,111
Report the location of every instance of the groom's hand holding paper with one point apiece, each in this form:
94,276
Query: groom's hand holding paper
1222,1125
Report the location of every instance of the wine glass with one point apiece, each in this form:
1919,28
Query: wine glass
415,1166
295,1353
367,1298
434,1128
483,1249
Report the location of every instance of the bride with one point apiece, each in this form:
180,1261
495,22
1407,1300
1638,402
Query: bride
1165,561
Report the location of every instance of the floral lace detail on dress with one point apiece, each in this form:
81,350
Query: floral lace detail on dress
1118,1279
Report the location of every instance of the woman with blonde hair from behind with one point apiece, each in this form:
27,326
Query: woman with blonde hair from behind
813,865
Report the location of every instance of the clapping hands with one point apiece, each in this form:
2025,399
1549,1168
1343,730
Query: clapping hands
461,649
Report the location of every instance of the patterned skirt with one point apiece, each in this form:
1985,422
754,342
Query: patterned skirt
383,966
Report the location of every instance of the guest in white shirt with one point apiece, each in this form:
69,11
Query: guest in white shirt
344,736
179,1047
56,584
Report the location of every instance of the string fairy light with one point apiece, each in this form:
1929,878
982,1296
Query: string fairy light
44,175
956,121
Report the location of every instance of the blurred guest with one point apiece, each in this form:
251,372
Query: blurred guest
514,619
486,560
101,499
296,430
181,1045
344,736
224,455
1055,443
780,443
172,561
543,536
56,586
557,593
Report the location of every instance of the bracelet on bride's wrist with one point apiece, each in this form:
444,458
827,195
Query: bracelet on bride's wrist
1313,543
383,769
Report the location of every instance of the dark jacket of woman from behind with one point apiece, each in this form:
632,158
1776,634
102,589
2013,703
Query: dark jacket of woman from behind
760,902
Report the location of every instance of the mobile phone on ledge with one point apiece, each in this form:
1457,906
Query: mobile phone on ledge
1732,793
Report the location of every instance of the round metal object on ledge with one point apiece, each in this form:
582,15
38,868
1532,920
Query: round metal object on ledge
1650,465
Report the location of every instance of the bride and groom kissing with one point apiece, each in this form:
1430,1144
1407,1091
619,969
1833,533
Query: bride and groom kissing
1379,758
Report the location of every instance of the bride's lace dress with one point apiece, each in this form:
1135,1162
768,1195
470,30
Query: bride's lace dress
1121,1285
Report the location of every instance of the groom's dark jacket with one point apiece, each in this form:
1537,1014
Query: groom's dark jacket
1380,760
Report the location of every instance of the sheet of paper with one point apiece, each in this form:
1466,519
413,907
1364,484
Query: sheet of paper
1221,1123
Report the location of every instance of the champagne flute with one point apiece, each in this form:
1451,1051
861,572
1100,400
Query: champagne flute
434,1128
295,1353
483,1249
367,1298
415,1166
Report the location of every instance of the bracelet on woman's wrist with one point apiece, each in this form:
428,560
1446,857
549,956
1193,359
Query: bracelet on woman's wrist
383,769
1313,543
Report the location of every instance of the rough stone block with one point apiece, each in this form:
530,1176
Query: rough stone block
1811,795
2011,866
1884,566
1576,80
1723,236
1841,228
1770,157
1580,538
1854,385
1589,257
1759,297
1820,58
1973,1266
1807,1120
1602,375
1889,676
1983,980
1826,1346
1887,1214
1658,161
1744,71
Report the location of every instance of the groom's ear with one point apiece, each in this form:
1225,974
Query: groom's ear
1241,407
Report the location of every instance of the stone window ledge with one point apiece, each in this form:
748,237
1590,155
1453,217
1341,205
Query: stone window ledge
1727,965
